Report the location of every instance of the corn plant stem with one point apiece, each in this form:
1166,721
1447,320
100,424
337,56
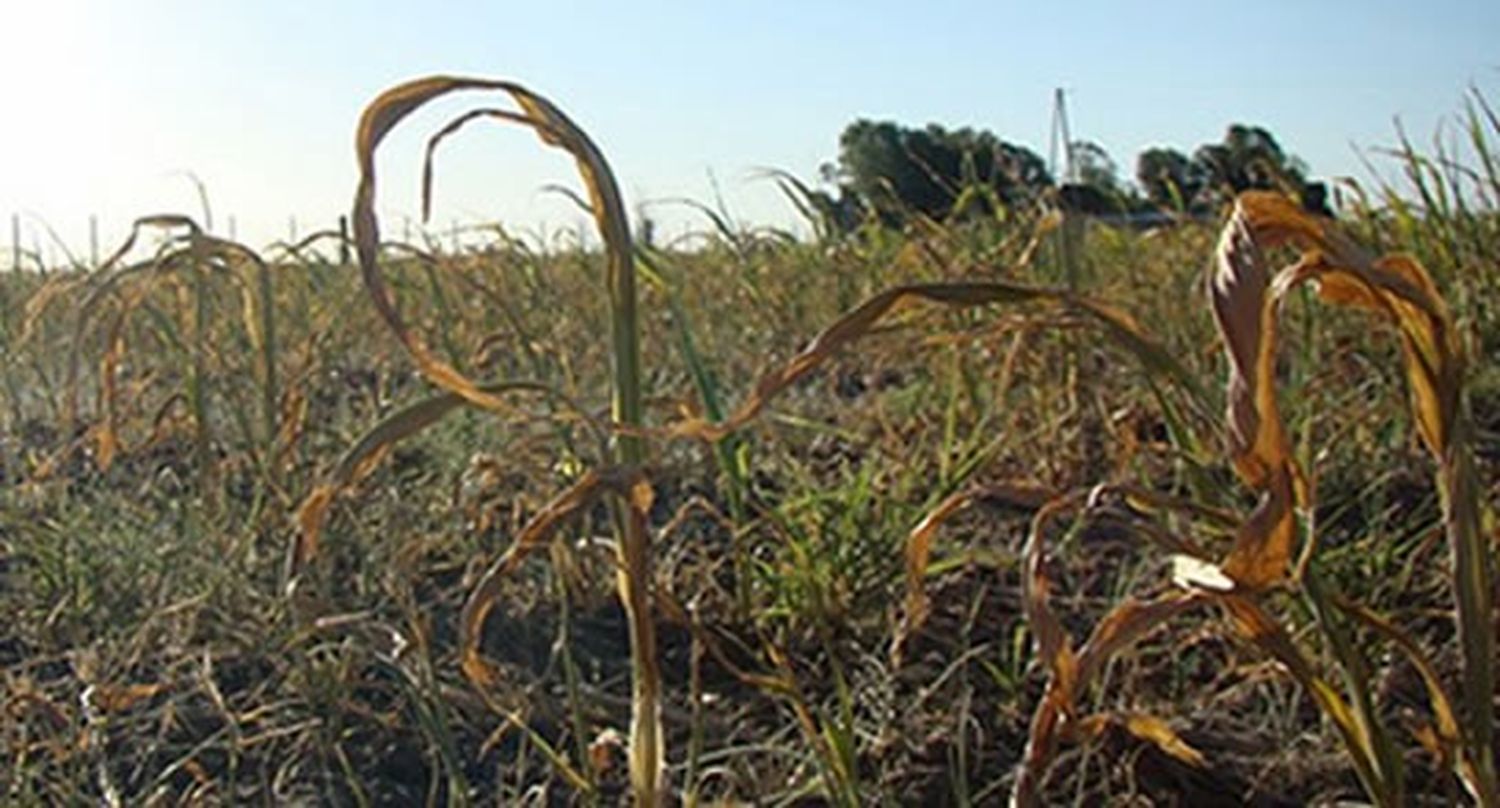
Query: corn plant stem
270,395
1473,590
197,385
645,722
634,578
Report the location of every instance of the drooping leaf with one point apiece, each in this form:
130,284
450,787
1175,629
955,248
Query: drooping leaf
550,124
370,448
1070,672
630,486
1145,727
919,544
1244,294
862,319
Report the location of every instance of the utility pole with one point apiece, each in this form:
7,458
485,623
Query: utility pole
94,241
1062,141
1070,231
15,241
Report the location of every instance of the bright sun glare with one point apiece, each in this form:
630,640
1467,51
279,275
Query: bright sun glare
51,62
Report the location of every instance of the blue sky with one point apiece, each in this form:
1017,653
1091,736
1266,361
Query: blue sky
110,102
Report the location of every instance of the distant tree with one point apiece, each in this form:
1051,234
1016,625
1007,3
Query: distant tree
899,170
1249,157
1169,179
895,171
1097,189
1094,166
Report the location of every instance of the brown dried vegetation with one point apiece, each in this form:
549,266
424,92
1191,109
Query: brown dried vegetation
279,546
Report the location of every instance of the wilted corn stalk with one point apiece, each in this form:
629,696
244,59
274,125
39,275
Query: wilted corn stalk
1245,298
622,480
1245,294
117,291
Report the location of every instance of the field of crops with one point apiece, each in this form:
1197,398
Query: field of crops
1007,507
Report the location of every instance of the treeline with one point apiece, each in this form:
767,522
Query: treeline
893,172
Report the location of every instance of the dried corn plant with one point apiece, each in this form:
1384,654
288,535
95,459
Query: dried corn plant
176,299
175,361
630,501
621,480
1246,293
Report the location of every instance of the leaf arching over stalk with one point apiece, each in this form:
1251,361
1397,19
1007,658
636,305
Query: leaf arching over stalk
1245,294
550,124
555,129
129,285
862,319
